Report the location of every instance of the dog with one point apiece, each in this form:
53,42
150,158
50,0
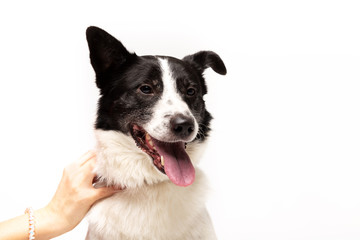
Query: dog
151,129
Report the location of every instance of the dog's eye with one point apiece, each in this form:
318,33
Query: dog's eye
190,91
146,89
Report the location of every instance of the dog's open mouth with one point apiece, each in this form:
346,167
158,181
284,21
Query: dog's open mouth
169,158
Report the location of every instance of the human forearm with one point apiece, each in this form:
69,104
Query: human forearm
15,228
47,225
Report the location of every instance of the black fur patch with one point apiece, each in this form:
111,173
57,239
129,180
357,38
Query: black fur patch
121,103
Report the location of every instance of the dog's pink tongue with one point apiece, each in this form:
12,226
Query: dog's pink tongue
178,166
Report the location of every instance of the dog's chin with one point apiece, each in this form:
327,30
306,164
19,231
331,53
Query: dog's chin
169,158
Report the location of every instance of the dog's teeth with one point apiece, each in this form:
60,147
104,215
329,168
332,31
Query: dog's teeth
162,160
149,140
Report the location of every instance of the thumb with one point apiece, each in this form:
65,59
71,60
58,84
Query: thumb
104,192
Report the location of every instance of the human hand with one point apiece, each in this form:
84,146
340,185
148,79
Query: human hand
75,194
72,200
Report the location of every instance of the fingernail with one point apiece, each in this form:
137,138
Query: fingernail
118,188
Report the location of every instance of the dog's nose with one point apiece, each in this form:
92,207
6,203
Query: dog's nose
182,126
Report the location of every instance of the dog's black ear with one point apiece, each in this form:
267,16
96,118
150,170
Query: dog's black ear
106,52
204,59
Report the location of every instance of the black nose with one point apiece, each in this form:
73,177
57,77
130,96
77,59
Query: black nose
182,126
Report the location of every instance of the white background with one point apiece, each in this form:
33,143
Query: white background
284,159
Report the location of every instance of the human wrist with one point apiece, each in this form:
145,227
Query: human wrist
49,223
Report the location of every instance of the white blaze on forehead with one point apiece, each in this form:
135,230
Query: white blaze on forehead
167,106
170,94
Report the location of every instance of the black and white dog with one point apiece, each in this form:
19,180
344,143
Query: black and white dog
151,127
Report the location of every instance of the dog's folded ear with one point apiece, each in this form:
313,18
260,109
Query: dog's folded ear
106,52
204,59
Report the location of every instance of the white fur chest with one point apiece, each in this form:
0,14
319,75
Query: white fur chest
151,207
161,211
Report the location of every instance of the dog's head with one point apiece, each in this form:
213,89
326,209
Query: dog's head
157,100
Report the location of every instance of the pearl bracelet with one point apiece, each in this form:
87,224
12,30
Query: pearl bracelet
30,212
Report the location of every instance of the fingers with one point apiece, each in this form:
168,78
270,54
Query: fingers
88,169
105,192
86,157
87,163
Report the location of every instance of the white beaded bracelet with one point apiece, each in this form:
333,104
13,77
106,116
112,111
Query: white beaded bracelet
30,212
